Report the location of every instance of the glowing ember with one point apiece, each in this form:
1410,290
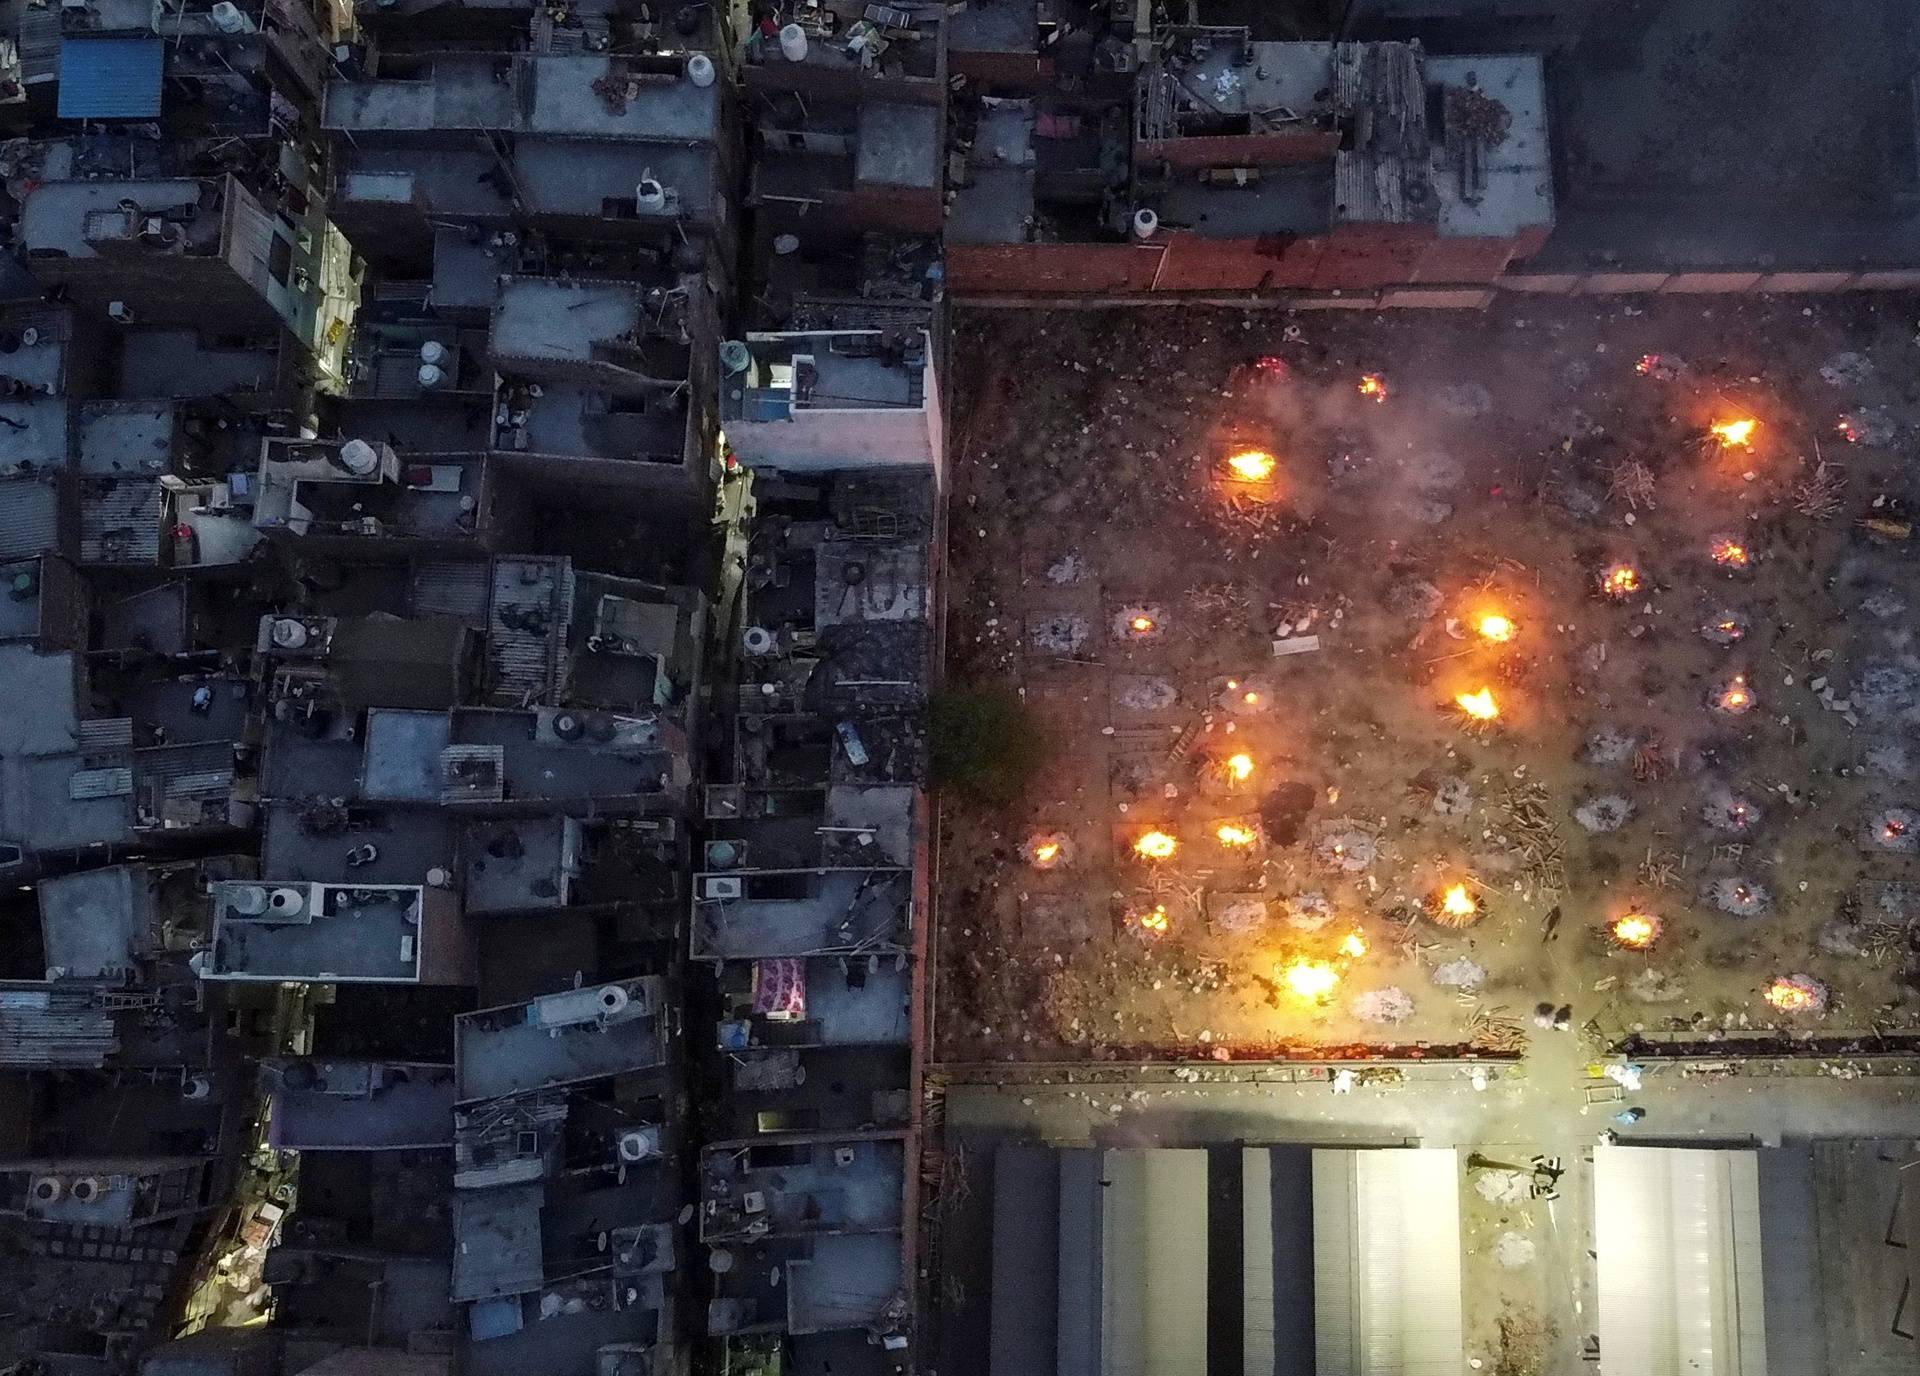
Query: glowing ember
1046,854
1736,697
1251,465
1154,921
1140,625
1729,553
1621,580
1353,945
1797,994
1240,768
1480,706
1373,385
1647,363
1457,902
1496,628
1735,434
1636,931
1233,834
1848,430
1251,698
1310,979
1155,845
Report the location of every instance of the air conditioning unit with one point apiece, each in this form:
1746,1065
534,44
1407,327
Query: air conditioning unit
47,1189
721,886
639,1144
87,1189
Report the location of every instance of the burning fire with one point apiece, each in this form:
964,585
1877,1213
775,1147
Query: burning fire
1729,553
1155,845
1848,430
1353,945
1496,628
1046,854
1636,931
1735,434
1233,834
1736,697
1647,363
1893,829
1240,768
1140,625
1154,920
1374,386
1457,902
1251,698
1310,979
1622,580
1791,995
1480,706
1252,465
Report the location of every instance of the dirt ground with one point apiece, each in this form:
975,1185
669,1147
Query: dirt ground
1109,562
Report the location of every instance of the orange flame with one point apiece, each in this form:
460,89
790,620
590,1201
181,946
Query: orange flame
1636,930
1457,902
1735,434
1729,553
1252,465
1893,829
1233,834
1790,997
1155,845
1848,430
1046,852
1353,945
1622,580
1240,768
1373,385
1480,706
1154,920
1647,363
1496,628
1312,980
1140,625
1735,697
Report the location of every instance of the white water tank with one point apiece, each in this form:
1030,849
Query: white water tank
793,43
649,197
700,70
431,375
247,900
230,18
637,1144
87,1189
288,633
359,458
286,903
1145,222
757,640
433,351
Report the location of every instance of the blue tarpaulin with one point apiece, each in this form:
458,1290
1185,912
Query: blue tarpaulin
111,78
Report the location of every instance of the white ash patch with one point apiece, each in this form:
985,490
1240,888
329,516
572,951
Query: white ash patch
1886,688
1426,511
1656,986
1146,694
1727,811
1873,425
1895,830
1513,1250
1460,974
1345,845
1609,745
1435,471
1892,759
1453,797
1236,914
1465,400
1498,1186
1071,567
1307,912
1841,937
1740,895
1884,604
1896,904
1389,1005
1602,814
1062,633
1846,369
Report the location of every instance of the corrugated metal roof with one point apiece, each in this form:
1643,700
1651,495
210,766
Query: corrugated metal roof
531,608
40,43
29,517
111,78
100,783
120,522
55,1027
106,733
452,589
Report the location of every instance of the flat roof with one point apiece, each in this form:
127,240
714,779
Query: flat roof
53,216
898,144
559,1039
362,1106
1515,191
496,1242
802,912
321,932
97,923
558,320
784,1188
517,863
